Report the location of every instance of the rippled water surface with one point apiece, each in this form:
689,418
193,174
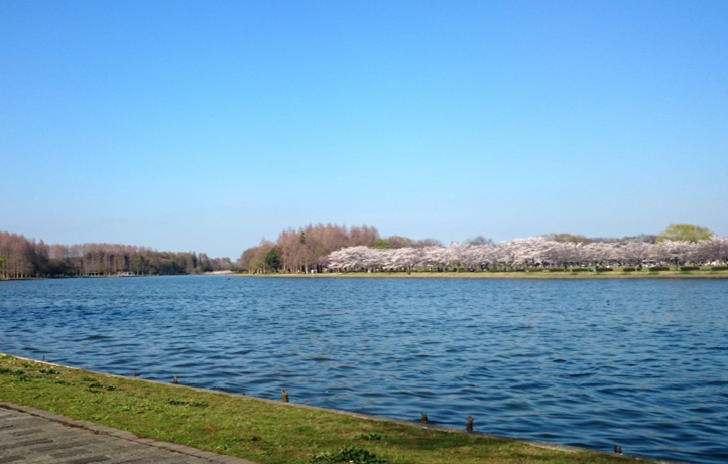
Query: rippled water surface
593,363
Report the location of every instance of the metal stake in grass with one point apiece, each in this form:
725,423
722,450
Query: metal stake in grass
423,418
617,449
469,425
174,379
284,396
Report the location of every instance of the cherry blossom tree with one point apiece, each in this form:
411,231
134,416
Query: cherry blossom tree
529,253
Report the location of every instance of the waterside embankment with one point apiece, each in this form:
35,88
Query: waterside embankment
261,430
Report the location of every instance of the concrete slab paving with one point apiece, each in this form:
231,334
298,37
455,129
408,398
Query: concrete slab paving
29,435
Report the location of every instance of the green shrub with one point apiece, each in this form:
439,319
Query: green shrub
604,269
628,269
578,269
719,268
689,268
659,268
48,371
5,370
557,269
349,454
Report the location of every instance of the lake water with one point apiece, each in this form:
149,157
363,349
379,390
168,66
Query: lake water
593,363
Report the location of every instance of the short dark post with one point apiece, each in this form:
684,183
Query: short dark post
174,379
43,357
617,449
423,418
284,396
469,425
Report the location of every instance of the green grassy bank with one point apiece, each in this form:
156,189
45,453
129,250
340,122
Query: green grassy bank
259,430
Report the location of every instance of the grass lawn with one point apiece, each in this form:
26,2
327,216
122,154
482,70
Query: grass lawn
259,430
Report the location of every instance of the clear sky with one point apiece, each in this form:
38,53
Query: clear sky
206,126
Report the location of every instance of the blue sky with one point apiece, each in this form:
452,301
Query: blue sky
206,126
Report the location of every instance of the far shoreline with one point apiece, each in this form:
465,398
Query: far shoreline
504,275
485,275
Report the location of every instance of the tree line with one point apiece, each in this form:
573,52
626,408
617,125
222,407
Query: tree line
330,247
532,253
307,248
23,258
333,247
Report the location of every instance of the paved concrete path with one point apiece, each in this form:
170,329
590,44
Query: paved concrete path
29,435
